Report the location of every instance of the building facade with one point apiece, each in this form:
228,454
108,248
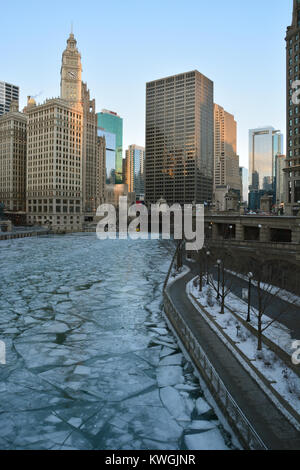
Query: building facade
280,179
264,145
134,170
110,126
179,162
13,142
292,198
225,150
64,175
244,177
8,93
55,165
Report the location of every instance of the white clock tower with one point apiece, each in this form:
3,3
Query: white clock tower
71,70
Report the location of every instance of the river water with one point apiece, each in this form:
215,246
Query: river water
90,363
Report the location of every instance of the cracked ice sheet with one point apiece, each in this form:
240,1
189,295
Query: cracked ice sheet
84,309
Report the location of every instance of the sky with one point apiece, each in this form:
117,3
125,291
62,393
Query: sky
125,43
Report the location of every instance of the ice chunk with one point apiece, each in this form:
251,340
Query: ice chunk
186,387
169,375
55,327
160,331
82,370
163,342
28,320
210,440
202,406
11,331
174,360
76,422
53,419
166,351
203,425
174,403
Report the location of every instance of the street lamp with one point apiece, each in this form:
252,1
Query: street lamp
219,275
250,277
230,228
200,276
259,227
207,265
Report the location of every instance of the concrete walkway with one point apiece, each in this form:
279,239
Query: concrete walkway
270,424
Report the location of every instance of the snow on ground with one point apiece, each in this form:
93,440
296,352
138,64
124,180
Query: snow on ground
91,363
283,379
178,274
284,294
209,440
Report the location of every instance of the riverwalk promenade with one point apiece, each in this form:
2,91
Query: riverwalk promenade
269,423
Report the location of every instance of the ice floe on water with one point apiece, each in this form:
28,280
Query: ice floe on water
91,363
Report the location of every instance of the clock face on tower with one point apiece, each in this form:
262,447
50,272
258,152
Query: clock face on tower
72,75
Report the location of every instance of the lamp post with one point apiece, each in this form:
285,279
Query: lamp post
200,275
207,266
259,228
219,275
250,277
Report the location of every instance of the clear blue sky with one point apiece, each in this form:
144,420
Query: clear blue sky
125,43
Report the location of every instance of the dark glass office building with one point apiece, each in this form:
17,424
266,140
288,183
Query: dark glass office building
179,163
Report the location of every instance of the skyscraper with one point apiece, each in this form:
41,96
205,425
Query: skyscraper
13,159
244,184
110,126
225,156
280,179
293,113
63,170
134,170
8,93
179,162
264,145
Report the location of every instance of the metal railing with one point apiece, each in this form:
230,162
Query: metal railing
236,418
179,247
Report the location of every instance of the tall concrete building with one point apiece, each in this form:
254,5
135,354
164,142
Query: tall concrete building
13,159
63,152
8,93
134,170
179,163
280,166
225,156
292,198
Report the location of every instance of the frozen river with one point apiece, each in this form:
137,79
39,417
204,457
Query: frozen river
90,363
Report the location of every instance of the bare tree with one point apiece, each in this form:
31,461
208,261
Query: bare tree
266,282
200,262
224,259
